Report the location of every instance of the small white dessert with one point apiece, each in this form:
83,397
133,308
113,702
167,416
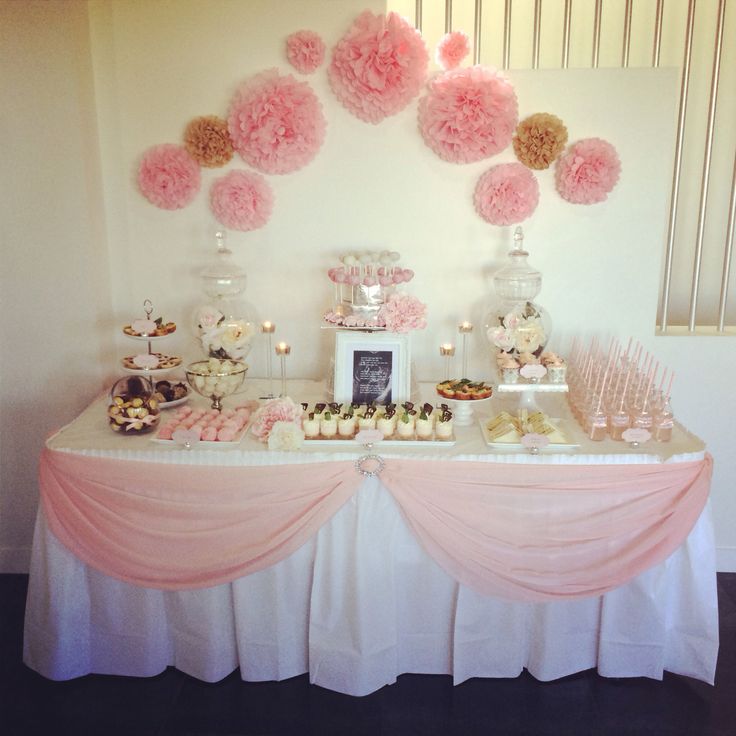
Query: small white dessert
386,425
311,426
443,429
346,426
328,425
405,426
423,428
367,422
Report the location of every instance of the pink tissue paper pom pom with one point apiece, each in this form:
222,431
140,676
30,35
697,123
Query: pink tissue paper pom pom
241,200
452,49
506,194
305,51
378,66
168,176
587,171
468,114
276,122
276,410
403,312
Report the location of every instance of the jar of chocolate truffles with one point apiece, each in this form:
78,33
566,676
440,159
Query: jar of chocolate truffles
133,409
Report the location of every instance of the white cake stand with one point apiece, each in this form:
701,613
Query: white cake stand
462,409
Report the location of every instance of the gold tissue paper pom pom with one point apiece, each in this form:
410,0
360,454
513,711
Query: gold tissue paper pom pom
208,141
539,140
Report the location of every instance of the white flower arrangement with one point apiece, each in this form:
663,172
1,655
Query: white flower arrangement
519,331
221,337
285,436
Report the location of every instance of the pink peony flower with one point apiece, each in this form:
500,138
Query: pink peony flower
276,123
241,200
588,171
305,51
506,194
276,410
452,49
168,176
402,313
378,66
468,114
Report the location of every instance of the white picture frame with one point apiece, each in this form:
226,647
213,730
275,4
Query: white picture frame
372,366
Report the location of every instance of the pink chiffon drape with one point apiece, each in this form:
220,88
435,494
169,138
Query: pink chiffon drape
520,531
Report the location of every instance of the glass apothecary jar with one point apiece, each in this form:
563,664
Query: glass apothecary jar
518,326
223,324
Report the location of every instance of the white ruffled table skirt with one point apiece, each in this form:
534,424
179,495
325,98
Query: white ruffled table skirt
360,604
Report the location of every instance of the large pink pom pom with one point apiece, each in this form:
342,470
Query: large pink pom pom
168,176
452,49
587,171
241,200
305,51
468,114
276,123
506,194
378,66
402,313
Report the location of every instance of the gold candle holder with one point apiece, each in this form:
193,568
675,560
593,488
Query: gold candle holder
447,350
465,328
268,328
282,350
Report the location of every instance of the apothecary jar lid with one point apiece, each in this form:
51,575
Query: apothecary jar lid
517,281
222,278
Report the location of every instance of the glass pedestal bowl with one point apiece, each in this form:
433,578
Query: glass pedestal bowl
215,379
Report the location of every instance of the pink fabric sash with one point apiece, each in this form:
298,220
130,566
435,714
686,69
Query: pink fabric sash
528,532
545,532
176,527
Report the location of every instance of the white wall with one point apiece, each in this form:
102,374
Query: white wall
157,64
54,286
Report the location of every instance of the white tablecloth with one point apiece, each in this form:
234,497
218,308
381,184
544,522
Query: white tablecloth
361,603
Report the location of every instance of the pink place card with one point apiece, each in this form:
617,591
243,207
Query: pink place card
369,436
144,360
533,370
185,437
533,440
636,435
144,326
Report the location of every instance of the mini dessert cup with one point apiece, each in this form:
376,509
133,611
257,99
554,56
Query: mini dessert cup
386,425
556,373
328,425
346,426
405,427
509,375
423,429
443,430
311,427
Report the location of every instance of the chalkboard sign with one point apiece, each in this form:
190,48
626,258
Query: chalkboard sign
372,370
371,367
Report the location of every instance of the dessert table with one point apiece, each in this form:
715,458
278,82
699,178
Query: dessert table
458,559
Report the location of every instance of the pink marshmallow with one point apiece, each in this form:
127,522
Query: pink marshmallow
209,434
166,432
226,435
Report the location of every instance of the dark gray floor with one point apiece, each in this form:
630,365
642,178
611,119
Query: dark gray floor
173,703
